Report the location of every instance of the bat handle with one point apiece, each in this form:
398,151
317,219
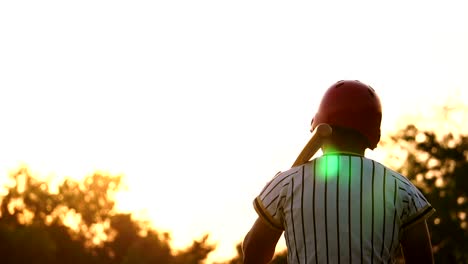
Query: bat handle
320,133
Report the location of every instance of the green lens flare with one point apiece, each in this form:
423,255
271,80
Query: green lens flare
329,167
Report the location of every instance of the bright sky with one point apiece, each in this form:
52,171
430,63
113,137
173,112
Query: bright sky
200,103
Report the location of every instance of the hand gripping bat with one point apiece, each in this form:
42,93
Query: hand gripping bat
320,133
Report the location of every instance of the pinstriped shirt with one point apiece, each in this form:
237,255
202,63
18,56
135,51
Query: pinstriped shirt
341,208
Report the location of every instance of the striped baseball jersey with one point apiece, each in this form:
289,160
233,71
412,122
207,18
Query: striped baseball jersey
341,208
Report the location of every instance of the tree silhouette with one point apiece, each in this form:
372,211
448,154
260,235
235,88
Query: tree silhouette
77,223
439,167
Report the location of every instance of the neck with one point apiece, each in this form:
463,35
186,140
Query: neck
329,149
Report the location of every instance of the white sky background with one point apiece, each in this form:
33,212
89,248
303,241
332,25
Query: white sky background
199,103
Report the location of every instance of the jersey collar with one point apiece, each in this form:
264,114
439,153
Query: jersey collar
349,153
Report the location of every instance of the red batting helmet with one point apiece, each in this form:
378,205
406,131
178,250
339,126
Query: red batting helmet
353,105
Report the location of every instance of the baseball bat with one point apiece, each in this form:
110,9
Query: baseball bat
320,133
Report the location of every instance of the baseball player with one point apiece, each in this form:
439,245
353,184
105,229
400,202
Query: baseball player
342,207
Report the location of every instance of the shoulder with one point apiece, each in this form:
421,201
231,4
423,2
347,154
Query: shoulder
414,205
402,180
280,181
286,176
269,203
290,173
391,173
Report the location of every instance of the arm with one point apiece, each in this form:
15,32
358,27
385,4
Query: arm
416,244
260,242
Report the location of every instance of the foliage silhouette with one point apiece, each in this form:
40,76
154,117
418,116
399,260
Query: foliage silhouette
439,167
77,223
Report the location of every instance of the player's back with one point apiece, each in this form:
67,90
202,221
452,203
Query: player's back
342,208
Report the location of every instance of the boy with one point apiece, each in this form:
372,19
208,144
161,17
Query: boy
342,207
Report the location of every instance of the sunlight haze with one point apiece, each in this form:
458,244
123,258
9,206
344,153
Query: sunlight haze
199,103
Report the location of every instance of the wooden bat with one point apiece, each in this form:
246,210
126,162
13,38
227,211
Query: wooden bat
320,133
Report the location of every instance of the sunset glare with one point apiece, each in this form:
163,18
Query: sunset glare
199,103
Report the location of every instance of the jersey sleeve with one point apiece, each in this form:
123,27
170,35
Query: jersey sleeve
268,204
416,209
